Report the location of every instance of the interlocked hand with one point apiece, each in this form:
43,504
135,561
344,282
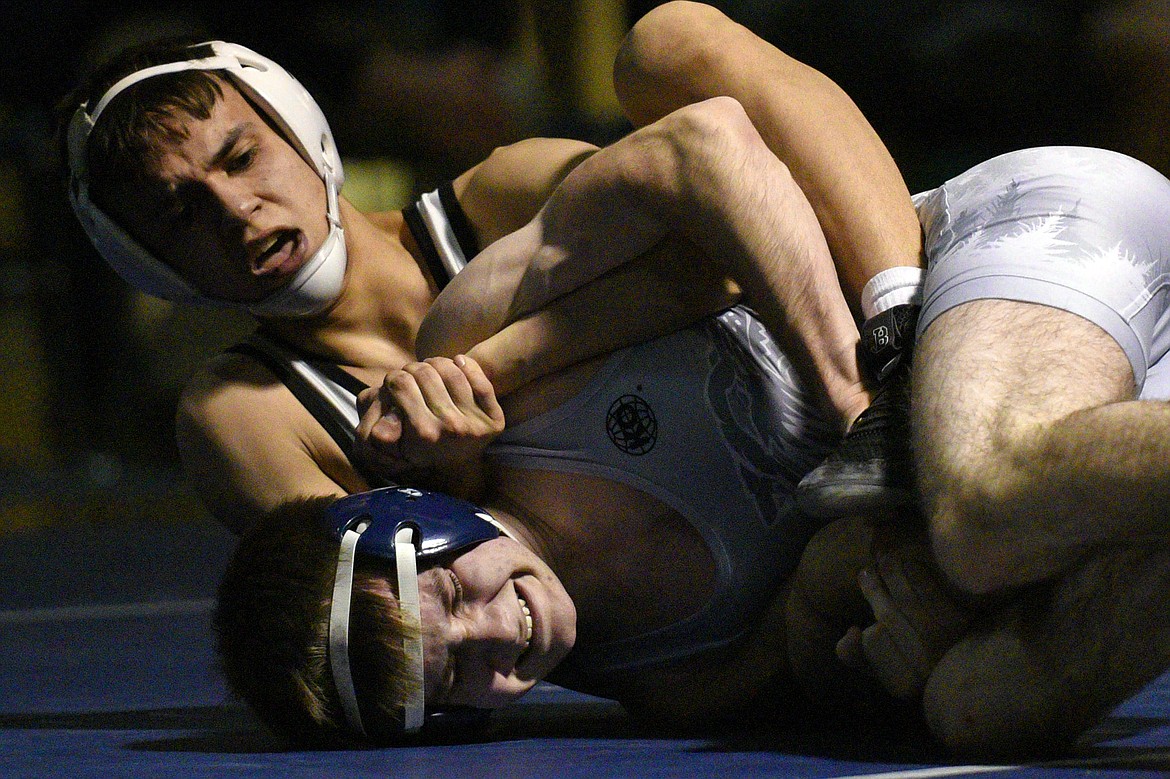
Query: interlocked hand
427,418
916,620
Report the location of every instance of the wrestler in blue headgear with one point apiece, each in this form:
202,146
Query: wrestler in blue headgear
410,528
292,109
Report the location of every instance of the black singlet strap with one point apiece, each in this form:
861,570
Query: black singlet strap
335,425
460,224
430,252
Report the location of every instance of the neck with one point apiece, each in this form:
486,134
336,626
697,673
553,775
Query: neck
386,295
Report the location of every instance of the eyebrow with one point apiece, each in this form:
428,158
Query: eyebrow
229,143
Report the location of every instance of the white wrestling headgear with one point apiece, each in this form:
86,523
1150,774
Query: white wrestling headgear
282,98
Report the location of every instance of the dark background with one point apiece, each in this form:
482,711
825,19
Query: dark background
418,91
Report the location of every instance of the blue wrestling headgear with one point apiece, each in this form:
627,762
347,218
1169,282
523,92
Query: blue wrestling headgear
409,527
282,98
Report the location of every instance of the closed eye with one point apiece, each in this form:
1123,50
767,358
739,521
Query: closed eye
452,678
457,586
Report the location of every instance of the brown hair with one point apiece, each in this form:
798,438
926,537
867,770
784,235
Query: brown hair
272,627
133,128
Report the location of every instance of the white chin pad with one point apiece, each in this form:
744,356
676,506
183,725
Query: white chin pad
314,287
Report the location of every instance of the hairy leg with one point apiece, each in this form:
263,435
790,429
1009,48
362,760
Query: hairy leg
1059,658
684,52
1031,452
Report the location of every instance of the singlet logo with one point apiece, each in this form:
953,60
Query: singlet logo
631,425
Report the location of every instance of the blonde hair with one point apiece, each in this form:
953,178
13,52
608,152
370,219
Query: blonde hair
272,625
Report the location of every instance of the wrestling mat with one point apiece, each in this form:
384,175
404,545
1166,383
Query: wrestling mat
107,670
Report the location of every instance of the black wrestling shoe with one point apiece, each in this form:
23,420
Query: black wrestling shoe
872,470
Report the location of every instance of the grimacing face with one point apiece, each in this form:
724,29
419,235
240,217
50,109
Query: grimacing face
232,207
496,620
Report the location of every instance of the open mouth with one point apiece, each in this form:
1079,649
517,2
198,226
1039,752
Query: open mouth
275,252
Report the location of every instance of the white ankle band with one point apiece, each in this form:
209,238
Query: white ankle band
892,287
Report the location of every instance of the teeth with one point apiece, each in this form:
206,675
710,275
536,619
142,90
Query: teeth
527,621
267,245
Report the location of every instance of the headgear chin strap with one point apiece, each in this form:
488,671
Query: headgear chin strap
410,527
408,602
289,105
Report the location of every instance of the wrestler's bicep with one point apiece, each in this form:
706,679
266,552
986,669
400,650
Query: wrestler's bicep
248,446
504,192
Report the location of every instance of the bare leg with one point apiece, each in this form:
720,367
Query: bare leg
684,52
1030,452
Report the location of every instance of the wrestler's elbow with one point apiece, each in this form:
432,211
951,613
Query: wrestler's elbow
203,462
696,157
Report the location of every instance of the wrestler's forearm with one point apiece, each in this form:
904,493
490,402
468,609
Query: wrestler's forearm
513,317
590,224
702,173
647,298
681,53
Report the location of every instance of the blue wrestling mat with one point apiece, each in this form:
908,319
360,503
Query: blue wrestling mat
107,670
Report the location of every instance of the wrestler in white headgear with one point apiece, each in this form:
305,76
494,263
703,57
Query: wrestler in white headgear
289,105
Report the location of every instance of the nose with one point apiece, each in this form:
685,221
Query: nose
494,633
235,199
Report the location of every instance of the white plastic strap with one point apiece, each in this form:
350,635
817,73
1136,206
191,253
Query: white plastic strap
339,626
412,645
207,63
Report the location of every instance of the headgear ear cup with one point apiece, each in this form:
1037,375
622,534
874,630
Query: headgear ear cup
289,105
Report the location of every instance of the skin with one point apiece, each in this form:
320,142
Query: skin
245,440
477,647
249,447
1005,424
1021,492
1026,431
572,538
222,197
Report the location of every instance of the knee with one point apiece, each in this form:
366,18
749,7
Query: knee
705,128
962,534
964,482
667,48
669,37
710,144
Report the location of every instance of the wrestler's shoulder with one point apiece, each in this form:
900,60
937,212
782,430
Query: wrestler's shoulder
232,386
